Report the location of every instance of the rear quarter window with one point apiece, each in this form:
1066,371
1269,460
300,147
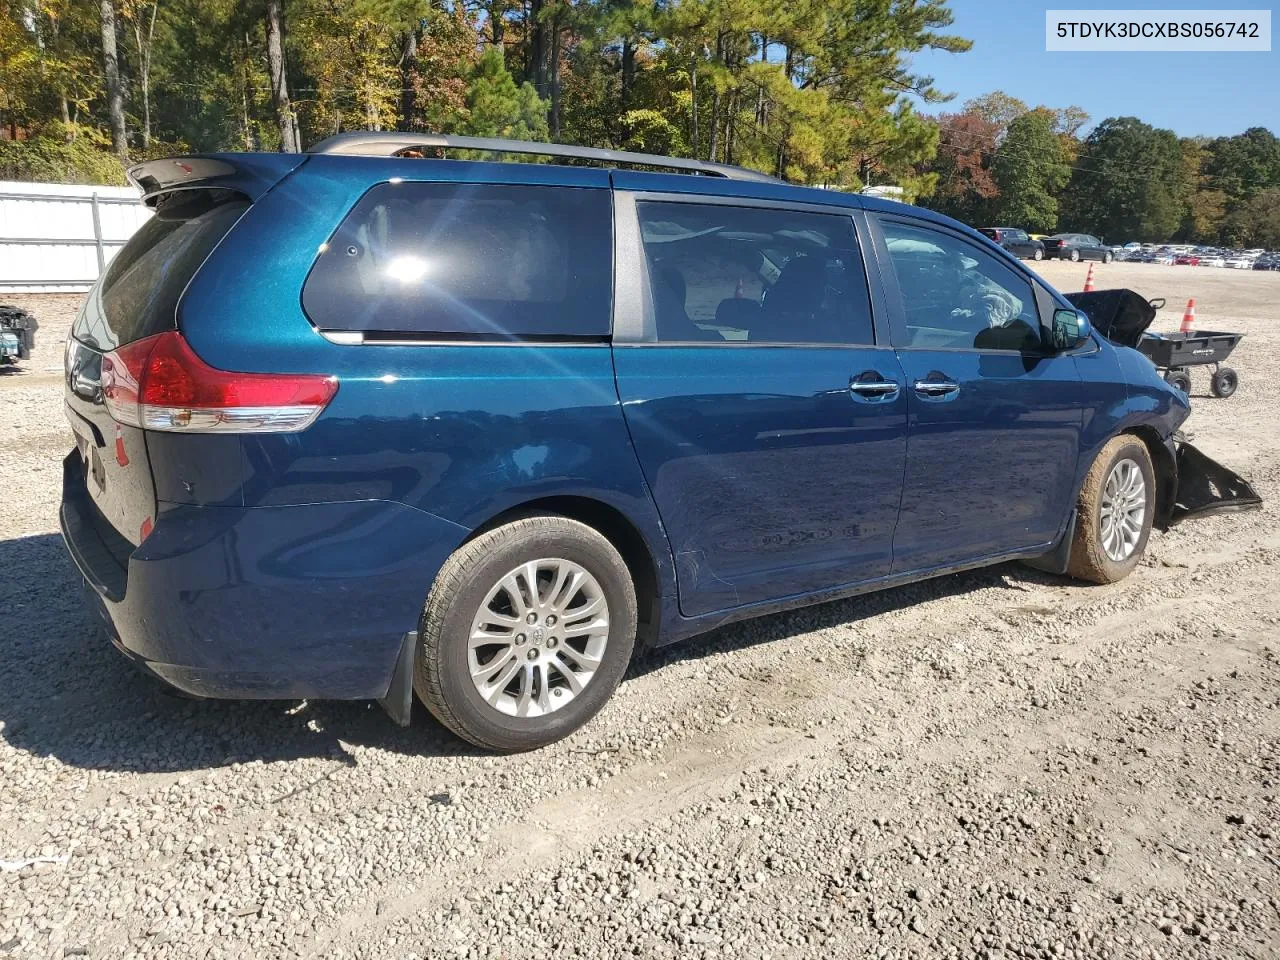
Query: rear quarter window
468,260
138,294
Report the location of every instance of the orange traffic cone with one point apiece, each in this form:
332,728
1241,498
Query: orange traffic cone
1088,280
1189,318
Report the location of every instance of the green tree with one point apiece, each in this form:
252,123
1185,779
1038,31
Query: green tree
1126,182
1256,222
1244,165
496,107
1029,170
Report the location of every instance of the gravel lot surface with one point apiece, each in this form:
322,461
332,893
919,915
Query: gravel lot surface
995,764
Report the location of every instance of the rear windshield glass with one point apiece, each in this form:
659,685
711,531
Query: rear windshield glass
468,260
138,294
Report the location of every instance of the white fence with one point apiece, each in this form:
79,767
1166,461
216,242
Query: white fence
57,238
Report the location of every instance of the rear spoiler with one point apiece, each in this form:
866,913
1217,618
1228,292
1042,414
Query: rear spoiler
251,174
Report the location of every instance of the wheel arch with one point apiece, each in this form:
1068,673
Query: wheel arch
1166,470
616,527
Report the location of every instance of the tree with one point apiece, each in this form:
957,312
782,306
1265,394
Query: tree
1256,222
1244,165
496,107
997,108
1126,182
111,72
140,15
1029,170
287,122
965,187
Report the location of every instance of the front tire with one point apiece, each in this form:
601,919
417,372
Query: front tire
1114,512
526,633
1038,255
1108,257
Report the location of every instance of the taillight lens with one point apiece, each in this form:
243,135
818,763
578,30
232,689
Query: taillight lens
159,383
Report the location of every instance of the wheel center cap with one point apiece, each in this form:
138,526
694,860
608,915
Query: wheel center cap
538,634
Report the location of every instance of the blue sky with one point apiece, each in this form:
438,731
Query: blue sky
1213,94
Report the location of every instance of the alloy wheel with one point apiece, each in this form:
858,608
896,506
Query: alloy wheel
1123,511
538,637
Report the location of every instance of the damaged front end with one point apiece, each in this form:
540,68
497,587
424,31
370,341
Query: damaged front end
1205,487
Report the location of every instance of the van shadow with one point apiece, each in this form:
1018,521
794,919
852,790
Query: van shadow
66,693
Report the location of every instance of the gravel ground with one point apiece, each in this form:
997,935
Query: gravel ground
995,764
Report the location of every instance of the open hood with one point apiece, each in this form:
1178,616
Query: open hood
1122,316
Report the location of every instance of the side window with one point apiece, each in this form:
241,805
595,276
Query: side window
956,295
721,273
468,260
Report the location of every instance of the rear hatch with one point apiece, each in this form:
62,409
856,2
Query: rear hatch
1053,243
137,297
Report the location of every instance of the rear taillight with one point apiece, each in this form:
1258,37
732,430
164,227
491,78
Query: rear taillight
159,383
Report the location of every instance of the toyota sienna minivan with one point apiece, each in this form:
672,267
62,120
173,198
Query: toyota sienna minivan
371,421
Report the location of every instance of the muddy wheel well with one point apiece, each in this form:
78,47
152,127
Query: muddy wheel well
1166,474
618,530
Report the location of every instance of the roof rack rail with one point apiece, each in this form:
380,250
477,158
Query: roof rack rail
393,144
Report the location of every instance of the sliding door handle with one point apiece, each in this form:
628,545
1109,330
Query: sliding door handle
935,388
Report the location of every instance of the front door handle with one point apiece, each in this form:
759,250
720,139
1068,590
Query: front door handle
935,388
875,389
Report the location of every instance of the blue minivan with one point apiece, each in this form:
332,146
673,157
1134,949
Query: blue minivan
371,421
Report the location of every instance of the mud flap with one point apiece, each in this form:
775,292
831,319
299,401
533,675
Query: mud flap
1206,487
398,701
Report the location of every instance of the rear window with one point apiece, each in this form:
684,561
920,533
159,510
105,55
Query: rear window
138,294
468,260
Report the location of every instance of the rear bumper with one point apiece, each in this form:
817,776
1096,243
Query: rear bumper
311,600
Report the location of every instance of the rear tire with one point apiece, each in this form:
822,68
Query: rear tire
1224,382
1179,379
1114,512
553,665
1075,256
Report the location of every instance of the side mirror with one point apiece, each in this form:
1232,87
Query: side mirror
1070,329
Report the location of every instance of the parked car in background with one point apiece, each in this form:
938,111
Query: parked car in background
1268,261
1076,246
1211,260
1239,262
482,430
1016,241
1187,259
17,335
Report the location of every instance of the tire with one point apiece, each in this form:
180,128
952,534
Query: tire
1179,379
1102,552
544,664
1038,255
1108,257
1224,382
1075,256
